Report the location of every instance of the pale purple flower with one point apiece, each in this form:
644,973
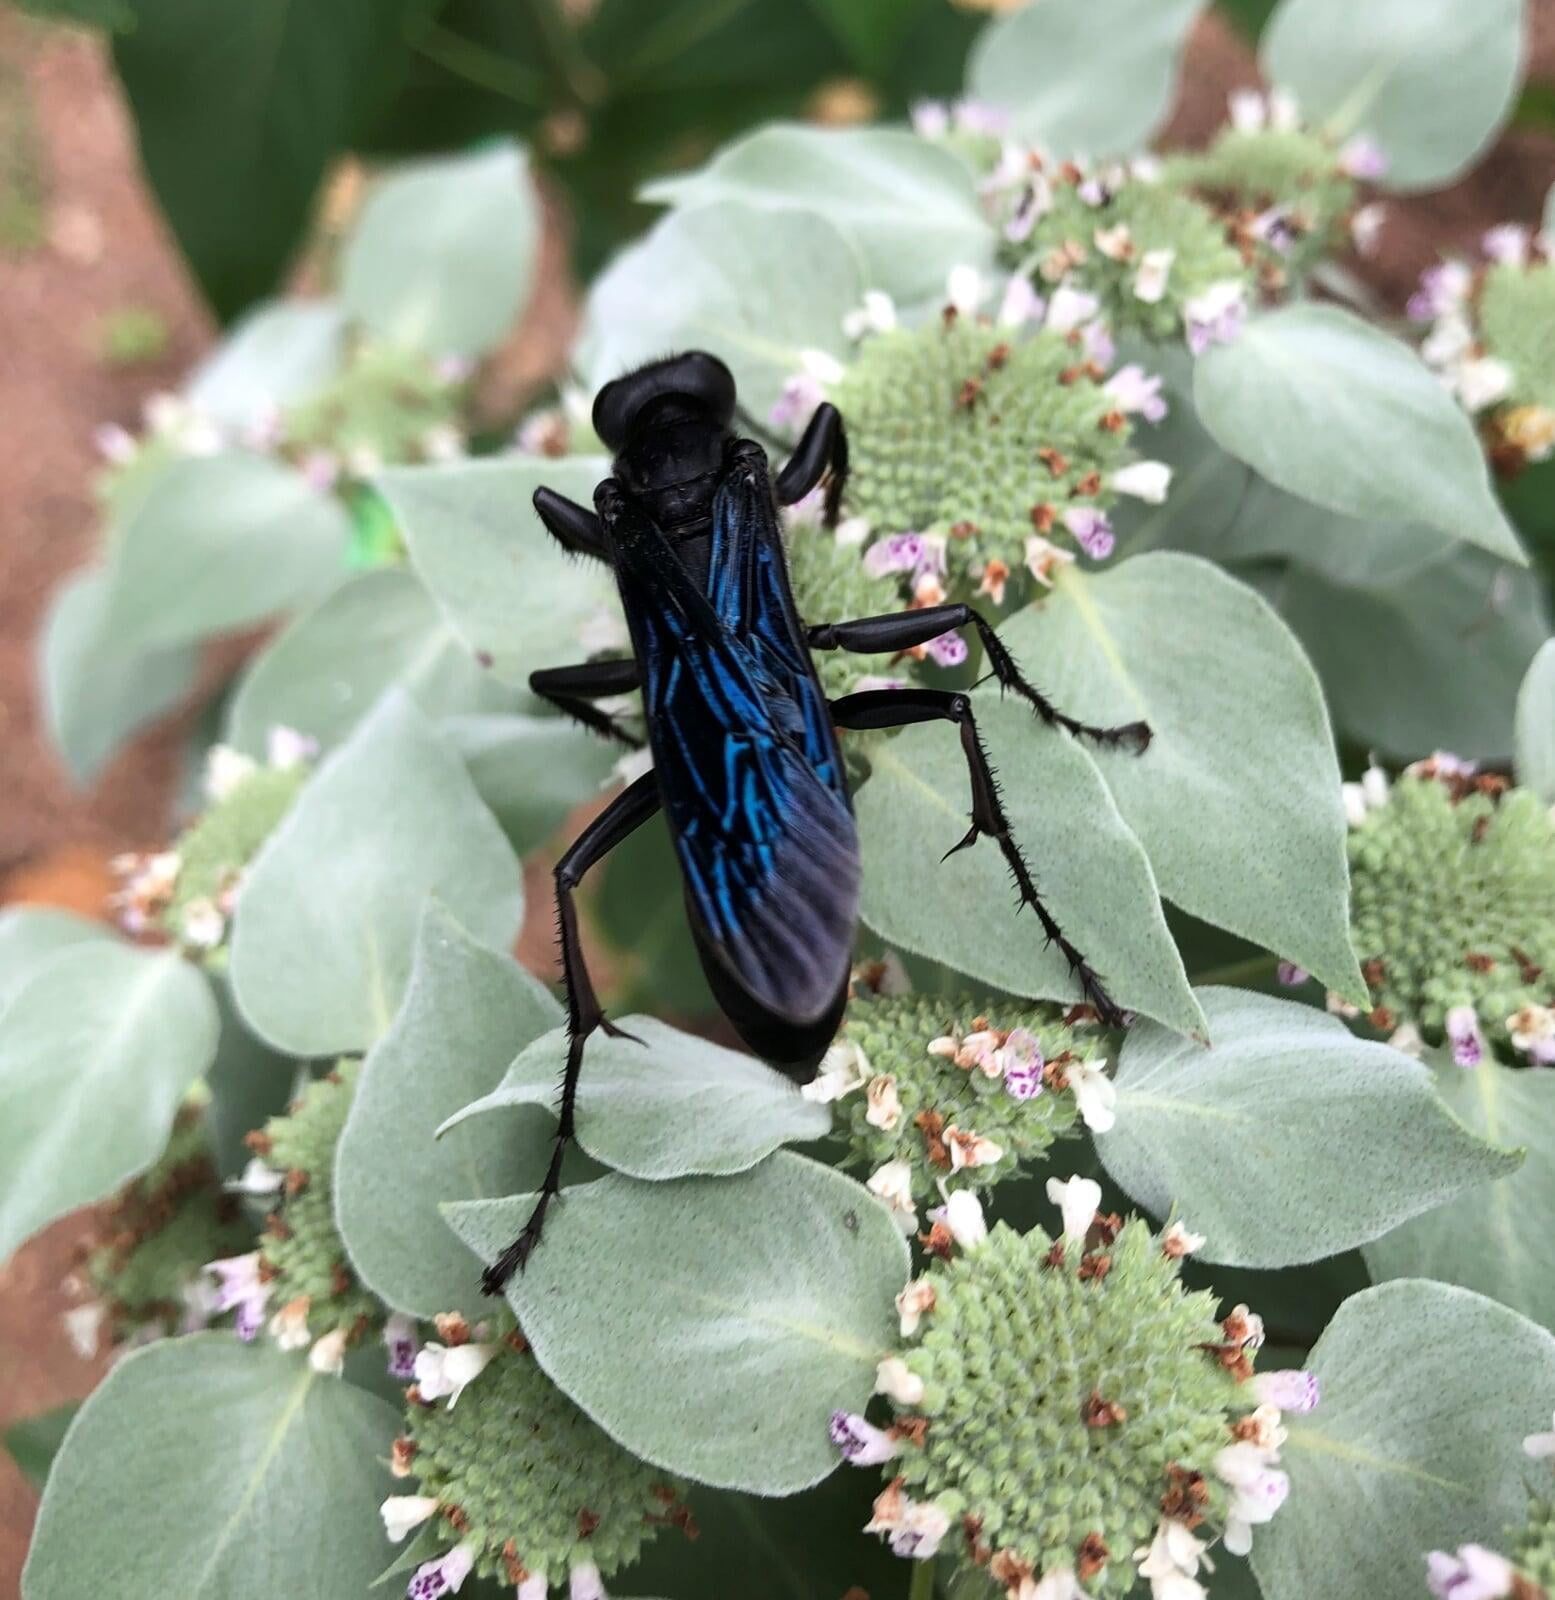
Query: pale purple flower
1069,308
453,368
922,1528
116,445
535,1587
985,121
947,650
1216,316
861,1443
1363,158
1473,1573
1291,975
1134,389
1254,1501
239,1289
898,552
1468,1043
802,393
1093,191
1097,343
1021,304
1288,1390
1443,288
399,1336
1023,1065
930,119
1092,530
321,468
1507,244
285,748
444,1575
1276,228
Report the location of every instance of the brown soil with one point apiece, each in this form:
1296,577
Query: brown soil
105,249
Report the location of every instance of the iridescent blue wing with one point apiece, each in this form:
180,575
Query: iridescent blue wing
766,844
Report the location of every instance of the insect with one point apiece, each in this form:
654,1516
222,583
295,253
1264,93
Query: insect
746,763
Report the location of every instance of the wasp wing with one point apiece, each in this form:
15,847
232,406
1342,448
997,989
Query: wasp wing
766,843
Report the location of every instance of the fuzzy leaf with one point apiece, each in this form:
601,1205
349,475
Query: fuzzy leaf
672,1106
29,935
213,1470
279,353
1535,764
1083,77
754,286
1431,81
1498,1239
1328,407
1089,867
1289,1139
326,922
504,584
97,690
327,669
443,255
1237,801
908,206
1427,1392
96,1051
467,1011
759,1303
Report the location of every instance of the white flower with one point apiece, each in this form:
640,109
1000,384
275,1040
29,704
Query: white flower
1215,316
535,1587
1115,243
1369,794
1057,1583
1468,1043
1248,110
1145,480
1094,1093
1540,1446
1150,280
1042,555
404,1513
895,1379
1267,1434
971,1149
285,748
843,1069
364,460
629,768
321,469
1483,381
922,1528
852,531
1362,157
257,1179
202,924
892,1183
441,1370
585,1583
1288,1390
1078,1200
911,1304
1474,1573
1508,244
1069,308
1178,1242
443,441
1171,1562
1021,304
1366,227
444,1575
1284,111
289,1326
876,315
962,1213
861,1443
1257,1492
965,289
885,1109
225,769
84,1328
930,119
328,1354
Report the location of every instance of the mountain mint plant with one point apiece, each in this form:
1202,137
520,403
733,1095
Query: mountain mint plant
1244,1288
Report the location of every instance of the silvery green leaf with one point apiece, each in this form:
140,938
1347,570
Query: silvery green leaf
1428,660
96,1051
757,287
670,1107
1499,1238
532,771
1535,728
1329,408
504,584
759,1304
33,1442
1237,801
248,1082
97,689
326,923
30,935
219,542
1431,81
215,1470
328,667
1289,1139
909,206
1083,77
1090,868
1427,1393
443,255
279,353
467,1012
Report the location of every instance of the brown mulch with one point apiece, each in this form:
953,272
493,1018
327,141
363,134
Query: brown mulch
107,249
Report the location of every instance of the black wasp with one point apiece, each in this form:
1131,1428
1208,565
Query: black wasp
746,764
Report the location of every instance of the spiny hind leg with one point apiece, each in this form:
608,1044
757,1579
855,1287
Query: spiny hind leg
895,708
632,807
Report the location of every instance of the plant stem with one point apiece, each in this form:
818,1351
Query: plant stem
922,1587
484,67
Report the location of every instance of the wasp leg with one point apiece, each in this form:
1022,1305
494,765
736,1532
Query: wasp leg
632,807
895,708
822,452
570,689
574,527
902,630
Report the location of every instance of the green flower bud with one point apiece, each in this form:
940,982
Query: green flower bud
1533,1549
1453,911
524,1483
